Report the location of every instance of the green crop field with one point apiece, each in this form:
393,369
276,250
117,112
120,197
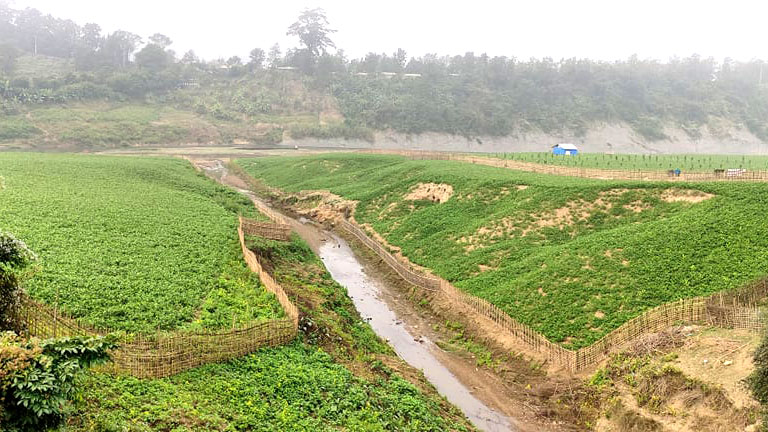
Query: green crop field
574,258
308,385
133,244
630,162
144,243
292,388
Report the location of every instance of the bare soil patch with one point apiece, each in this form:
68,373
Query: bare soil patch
435,192
685,195
323,206
722,356
691,381
522,225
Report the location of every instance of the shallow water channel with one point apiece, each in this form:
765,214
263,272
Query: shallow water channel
368,294
418,352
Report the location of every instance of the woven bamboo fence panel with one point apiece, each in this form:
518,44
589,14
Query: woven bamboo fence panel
269,283
732,309
271,214
267,230
405,271
523,333
44,321
169,353
594,173
163,354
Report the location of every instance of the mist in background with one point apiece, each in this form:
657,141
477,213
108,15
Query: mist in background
595,29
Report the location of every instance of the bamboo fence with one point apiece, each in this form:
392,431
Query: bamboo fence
269,283
253,184
593,173
267,211
169,353
732,309
269,230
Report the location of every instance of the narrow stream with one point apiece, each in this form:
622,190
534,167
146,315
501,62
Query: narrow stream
366,293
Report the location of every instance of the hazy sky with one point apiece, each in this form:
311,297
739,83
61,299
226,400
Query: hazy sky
598,29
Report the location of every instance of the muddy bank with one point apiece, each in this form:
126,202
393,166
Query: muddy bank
606,138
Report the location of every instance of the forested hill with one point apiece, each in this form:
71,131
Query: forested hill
51,68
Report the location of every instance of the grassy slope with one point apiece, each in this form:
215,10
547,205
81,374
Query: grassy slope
105,125
131,243
108,125
42,66
257,110
626,162
338,376
573,283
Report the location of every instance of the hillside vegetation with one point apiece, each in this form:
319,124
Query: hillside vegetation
574,258
326,95
131,244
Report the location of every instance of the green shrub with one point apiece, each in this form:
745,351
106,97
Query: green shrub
15,258
12,128
758,379
331,131
39,379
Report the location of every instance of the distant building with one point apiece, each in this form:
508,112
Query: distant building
191,83
565,149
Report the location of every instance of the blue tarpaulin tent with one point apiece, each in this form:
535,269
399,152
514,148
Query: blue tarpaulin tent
565,149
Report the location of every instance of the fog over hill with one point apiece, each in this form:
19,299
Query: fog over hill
316,94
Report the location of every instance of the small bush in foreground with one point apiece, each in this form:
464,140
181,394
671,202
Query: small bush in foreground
15,257
38,380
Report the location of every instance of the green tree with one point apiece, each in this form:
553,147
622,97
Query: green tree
154,58
119,46
189,58
91,37
8,56
401,58
313,33
160,40
234,61
257,56
273,59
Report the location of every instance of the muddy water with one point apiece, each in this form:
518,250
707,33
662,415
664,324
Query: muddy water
367,293
418,352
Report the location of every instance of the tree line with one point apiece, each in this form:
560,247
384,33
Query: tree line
470,94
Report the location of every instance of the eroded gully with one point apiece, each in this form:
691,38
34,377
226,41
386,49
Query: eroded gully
392,319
